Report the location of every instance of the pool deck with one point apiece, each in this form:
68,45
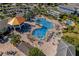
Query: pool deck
49,48
9,47
51,20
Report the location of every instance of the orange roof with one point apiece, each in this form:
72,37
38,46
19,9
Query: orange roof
16,20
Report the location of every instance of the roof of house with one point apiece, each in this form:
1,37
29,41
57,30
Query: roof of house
16,20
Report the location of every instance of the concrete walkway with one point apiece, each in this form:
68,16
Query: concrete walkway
9,47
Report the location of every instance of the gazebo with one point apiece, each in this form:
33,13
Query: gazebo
16,21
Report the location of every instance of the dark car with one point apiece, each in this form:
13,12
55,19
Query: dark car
3,39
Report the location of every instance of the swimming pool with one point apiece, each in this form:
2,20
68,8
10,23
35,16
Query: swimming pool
44,23
69,22
40,33
25,27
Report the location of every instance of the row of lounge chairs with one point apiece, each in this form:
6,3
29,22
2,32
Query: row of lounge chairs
8,53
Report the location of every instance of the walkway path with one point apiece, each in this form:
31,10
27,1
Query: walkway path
9,47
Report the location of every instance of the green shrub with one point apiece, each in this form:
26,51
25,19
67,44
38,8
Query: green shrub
15,39
75,31
77,51
64,31
35,52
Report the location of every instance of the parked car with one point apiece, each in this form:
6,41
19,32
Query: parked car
3,39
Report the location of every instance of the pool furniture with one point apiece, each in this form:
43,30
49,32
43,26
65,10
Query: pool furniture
3,39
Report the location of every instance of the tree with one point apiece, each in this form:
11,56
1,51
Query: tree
63,16
77,51
15,39
28,15
36,52
56,4
70,28
74,18
36,10
40,10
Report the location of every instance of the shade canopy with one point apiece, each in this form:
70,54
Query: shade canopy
16,20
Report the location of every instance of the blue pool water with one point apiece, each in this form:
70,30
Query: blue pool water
69,22
40,33
44,23
24,28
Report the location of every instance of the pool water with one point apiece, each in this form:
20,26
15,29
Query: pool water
40,33
69,22
24,28
44,23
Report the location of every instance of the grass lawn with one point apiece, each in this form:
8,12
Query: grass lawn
77,26
74,37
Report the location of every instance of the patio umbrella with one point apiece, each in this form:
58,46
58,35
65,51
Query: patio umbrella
16,21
